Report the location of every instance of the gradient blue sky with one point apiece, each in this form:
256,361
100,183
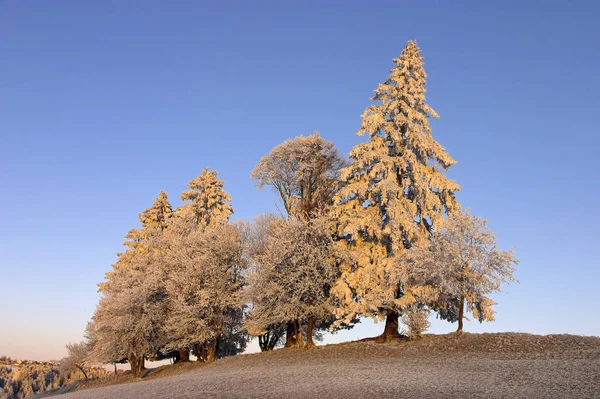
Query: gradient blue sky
103,104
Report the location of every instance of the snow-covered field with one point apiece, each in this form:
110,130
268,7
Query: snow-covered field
508,365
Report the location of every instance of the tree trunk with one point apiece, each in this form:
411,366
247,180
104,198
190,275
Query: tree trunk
274,339
212,350
461,314
204,352
390,332
133,363
309,333
83,371
269,340
184,354
298,334
115,368
263,342
290,337
141,366
137,365
197,350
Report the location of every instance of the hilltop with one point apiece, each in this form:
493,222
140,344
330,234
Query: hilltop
470,365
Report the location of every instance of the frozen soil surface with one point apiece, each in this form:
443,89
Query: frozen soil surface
505,365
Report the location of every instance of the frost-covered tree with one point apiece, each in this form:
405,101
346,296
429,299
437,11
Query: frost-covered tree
394,192
297,270
205,282
208,208
77,357
256,238
103,348
303,172
154,220
129,320
460,268
416,319
209,202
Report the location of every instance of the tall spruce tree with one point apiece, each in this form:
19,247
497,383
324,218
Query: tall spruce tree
154,220
208,210
209,204
394,192
127,321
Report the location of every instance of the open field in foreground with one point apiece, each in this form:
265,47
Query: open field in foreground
506,365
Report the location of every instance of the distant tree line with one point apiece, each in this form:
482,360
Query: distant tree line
380,235
32,378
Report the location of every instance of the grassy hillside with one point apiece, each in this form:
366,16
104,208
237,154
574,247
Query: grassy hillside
470,365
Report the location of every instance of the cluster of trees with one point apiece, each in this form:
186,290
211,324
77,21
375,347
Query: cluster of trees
380,235
17,382
179,285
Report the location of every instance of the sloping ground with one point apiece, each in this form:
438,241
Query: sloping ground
507,365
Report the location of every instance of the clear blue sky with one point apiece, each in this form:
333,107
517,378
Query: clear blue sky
104,103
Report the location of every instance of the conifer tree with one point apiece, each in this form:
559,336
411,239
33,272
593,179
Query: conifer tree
394,192
158,215
209,204
127,321
154,220
207,213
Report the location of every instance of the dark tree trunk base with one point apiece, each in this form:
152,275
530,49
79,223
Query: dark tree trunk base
390,331
298,334
184,355
137,365
290,336
204,352
309,334
212,350
461,315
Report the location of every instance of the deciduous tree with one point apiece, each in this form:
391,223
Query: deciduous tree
77,357
304,173
205,283
460,268
256,238
298,268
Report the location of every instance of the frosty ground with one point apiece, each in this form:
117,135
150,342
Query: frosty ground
510,365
